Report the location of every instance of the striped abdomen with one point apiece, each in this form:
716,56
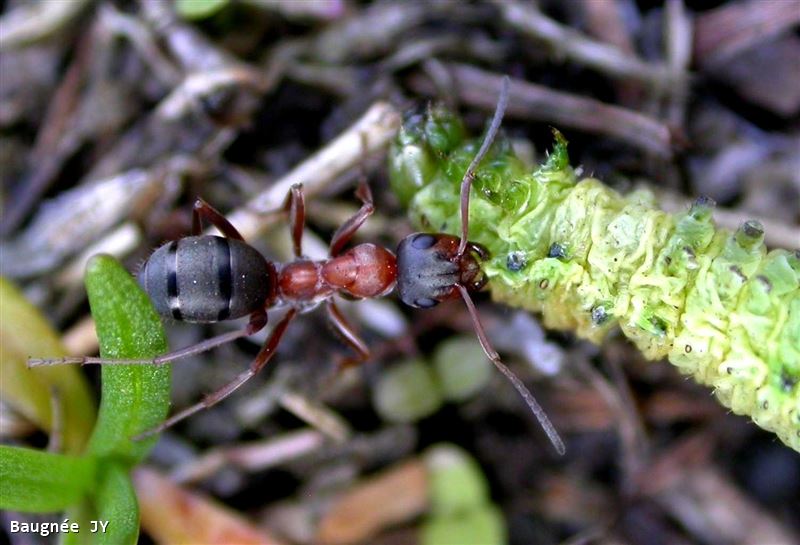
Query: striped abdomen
206,279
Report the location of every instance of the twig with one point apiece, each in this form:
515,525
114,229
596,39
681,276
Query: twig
256,456
376,127
678,32
530,101
30,23
579,48
736,26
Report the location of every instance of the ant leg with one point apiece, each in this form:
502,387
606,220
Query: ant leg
349,336
296,205
469,175
492,354
204,211
344,233
263,357
257,322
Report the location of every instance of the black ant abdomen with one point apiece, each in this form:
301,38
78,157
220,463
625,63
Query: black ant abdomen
207,279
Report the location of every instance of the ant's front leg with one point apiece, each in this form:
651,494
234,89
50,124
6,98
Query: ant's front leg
344,233
204,211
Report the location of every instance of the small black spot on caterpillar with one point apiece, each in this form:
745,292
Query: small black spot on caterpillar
516,261
599,315
557,250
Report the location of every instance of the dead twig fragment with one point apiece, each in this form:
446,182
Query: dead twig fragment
173,515
575,46
395,495
370,134
536,102
256,456
733,27
30,23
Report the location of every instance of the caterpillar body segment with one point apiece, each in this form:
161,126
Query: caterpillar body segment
589,259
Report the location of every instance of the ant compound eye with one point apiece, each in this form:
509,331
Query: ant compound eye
425,302
423,242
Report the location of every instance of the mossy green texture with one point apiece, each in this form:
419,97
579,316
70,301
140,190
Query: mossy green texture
589,259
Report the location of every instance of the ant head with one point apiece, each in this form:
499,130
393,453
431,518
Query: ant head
430,269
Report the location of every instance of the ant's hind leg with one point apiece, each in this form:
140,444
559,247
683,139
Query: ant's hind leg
263,357
344,233
349,336
204,211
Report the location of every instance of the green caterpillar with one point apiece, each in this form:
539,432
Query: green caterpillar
715,303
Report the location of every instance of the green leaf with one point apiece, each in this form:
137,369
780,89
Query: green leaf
80,513
39,482
199,9
117,505
24,332
135,398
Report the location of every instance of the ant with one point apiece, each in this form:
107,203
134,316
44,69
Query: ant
206,279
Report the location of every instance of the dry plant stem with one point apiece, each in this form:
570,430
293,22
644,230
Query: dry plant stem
628,424
54,141
377,127
371,31
256,456
683,481
190,48
605,21
734,27
565,41
679,37
171,514
304,11
144,40
81,338
30,23
395,495
119,243
321,417
535,102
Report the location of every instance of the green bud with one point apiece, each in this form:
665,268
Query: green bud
407,392
462,367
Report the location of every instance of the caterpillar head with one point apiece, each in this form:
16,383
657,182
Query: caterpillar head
430,269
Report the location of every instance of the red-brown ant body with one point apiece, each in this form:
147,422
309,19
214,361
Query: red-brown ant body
205,278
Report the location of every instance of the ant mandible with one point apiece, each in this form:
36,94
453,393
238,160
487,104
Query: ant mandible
207,279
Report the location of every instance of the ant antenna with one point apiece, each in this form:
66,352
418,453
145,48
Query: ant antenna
492,354
469,175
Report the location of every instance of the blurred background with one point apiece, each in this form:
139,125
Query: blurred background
114,116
